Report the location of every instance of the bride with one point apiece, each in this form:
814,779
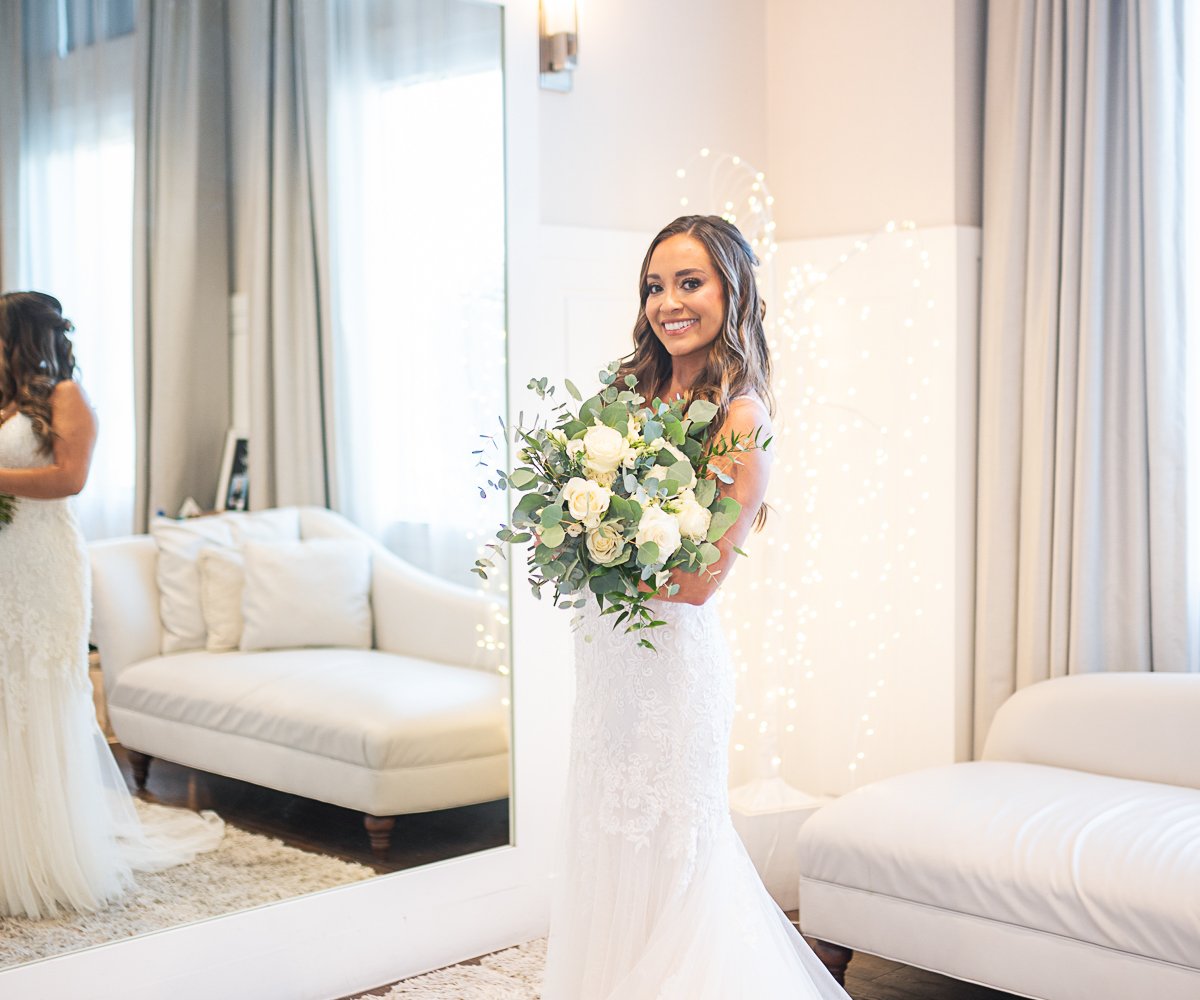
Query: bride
656,897
69,835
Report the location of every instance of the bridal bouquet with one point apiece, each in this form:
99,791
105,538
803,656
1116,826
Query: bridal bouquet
8,506
617,494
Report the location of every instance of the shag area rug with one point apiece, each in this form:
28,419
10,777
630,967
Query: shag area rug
246,870
512,974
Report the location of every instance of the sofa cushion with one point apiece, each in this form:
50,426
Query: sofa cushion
311,593
179,543
222,577
364,707
1110,861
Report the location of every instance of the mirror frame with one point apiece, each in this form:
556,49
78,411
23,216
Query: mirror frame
361,936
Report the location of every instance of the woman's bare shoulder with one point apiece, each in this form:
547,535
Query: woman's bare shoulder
69,391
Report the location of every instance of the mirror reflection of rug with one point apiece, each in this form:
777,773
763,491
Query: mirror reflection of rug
511,974
246,870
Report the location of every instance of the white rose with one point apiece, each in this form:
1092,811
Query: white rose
605,479
693,519
661,528
605,446
605,543
586,501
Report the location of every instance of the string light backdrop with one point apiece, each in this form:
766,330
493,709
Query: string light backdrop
848,583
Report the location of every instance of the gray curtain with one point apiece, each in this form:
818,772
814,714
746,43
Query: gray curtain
12,89
283,225
181,252
1082,488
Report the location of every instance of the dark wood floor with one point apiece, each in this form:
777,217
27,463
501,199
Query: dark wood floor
424,838
419,839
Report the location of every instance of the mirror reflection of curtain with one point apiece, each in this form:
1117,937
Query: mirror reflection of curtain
181,266
281,196
417,187
67,126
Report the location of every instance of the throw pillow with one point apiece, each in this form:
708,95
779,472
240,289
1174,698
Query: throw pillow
179,543
313,593
222,578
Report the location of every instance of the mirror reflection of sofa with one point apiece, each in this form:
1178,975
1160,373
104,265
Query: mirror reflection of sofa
288,649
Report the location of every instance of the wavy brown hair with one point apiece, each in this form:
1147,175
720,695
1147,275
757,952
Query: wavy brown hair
739,362
35,355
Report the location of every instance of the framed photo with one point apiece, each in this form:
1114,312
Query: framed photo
233,489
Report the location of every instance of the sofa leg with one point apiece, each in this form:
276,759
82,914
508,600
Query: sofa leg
835,958
379,829
141,767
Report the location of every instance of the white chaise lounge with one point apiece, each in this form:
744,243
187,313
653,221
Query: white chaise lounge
1064,865
417,723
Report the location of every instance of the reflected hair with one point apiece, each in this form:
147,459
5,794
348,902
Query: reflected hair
739,362
35,355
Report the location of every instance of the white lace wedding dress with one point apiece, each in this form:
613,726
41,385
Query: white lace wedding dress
69,834
656,898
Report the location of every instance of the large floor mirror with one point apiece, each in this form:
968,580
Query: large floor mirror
413,102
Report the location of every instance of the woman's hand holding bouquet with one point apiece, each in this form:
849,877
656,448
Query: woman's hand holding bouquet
617,496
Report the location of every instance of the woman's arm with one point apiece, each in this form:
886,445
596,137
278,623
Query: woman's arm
749,487
74,426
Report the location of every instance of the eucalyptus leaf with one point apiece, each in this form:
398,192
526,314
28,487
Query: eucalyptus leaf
648,553
607,582
616,415
529,505
724,514
652,431
553,537
709,554
706,490
575,394
523,478
590,410
701,412
551,515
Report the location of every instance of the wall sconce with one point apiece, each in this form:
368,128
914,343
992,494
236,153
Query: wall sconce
558,25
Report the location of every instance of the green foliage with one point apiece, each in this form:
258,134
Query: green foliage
559,557
724,514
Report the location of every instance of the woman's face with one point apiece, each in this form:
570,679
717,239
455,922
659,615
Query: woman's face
685,301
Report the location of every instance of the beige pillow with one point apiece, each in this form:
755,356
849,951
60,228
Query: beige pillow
179,544
312,593
222,578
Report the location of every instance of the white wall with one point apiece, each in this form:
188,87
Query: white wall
656,82
874,112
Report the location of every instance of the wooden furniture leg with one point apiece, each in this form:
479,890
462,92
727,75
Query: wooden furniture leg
835,958
140,763
379,829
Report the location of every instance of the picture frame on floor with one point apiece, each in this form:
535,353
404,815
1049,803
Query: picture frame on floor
233,487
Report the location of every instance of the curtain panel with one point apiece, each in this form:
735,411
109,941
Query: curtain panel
282,245
12,89
1082,510
181,252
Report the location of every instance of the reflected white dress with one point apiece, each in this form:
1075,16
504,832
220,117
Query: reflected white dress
70,837
655,897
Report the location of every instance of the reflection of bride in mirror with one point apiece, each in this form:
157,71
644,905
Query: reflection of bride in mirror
69,834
